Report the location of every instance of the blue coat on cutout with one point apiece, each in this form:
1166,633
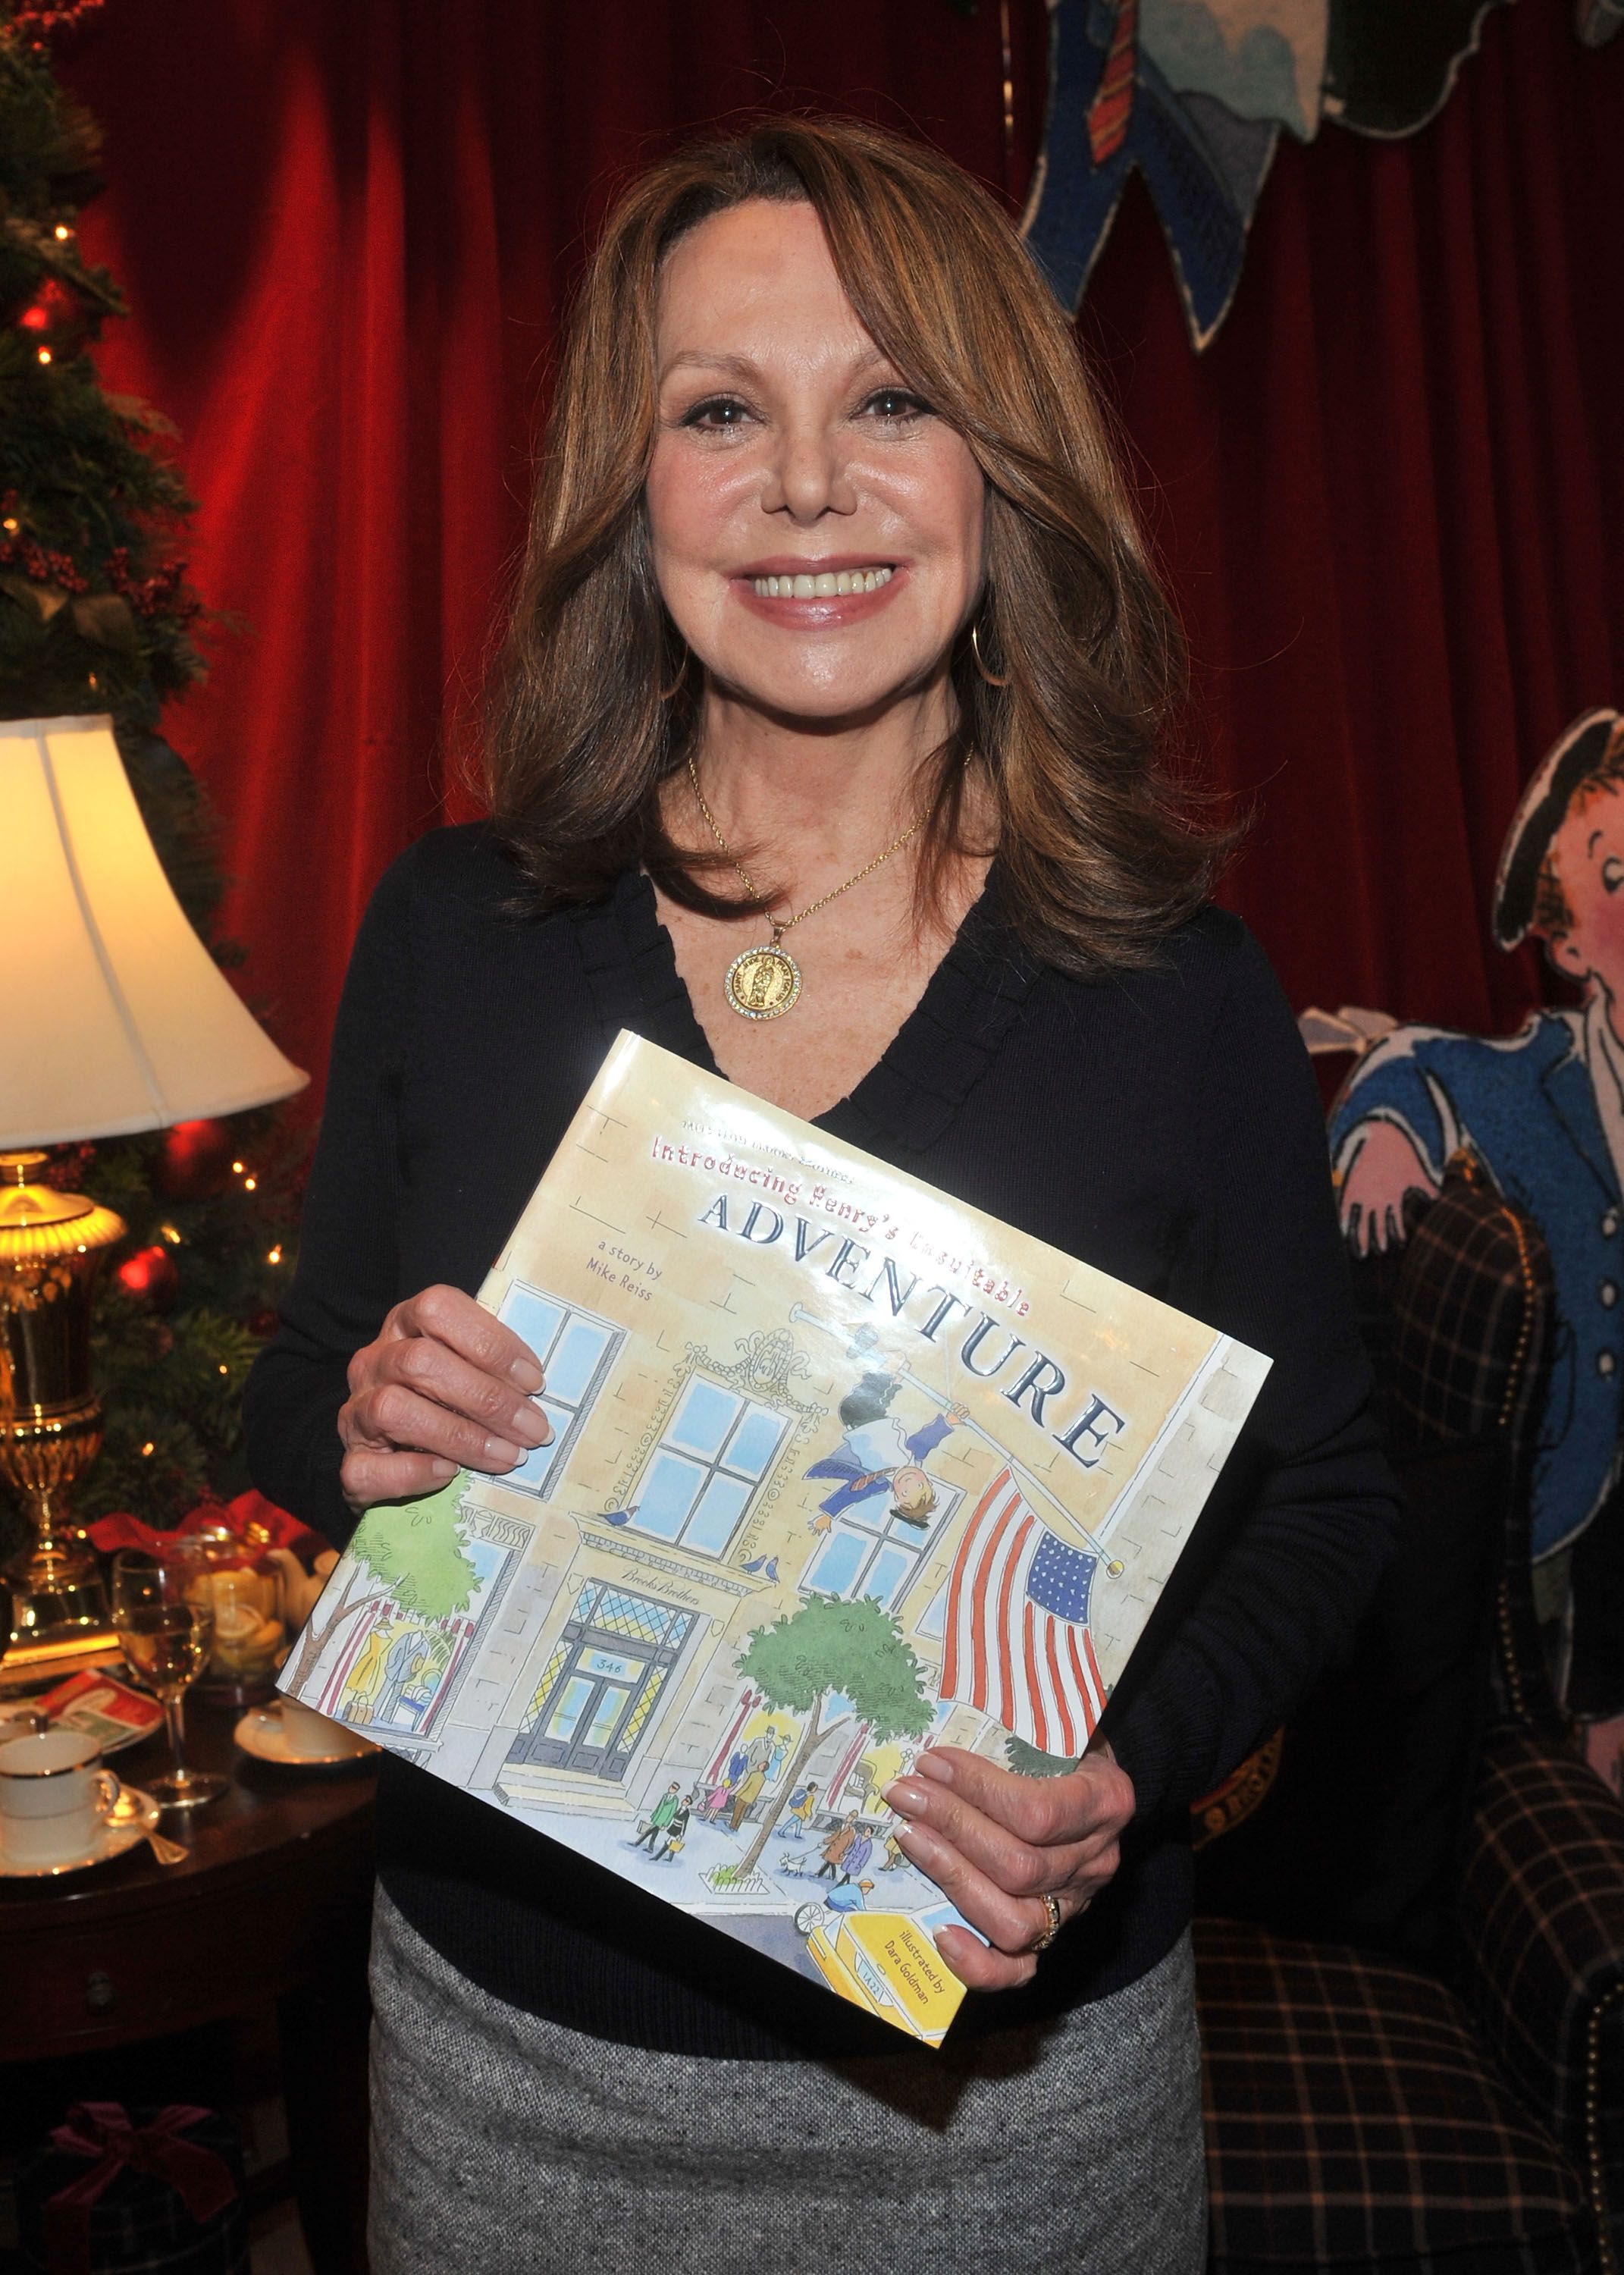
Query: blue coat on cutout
1527,1107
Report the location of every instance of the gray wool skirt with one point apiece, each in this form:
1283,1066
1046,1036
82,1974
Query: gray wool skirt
509,2145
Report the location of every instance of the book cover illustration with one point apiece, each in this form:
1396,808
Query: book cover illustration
839,1466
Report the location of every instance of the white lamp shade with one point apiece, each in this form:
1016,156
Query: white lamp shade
114,1017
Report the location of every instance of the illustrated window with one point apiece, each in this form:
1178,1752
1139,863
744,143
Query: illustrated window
716,1450
576,1350
397,1668
872,1551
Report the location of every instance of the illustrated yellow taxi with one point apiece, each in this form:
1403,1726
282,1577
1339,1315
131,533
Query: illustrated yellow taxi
886,1963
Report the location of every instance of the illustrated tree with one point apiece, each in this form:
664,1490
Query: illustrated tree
830,1649
410,1553
96,615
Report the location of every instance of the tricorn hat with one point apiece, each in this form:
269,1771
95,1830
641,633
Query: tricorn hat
1575,754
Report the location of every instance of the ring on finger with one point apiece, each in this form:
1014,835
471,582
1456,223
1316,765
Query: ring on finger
1051,1905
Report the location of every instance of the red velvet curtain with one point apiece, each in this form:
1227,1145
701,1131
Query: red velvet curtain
1390,496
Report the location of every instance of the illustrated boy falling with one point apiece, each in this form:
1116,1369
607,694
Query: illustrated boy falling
1544,1111
874,1457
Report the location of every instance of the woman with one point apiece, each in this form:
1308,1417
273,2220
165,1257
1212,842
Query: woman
828,754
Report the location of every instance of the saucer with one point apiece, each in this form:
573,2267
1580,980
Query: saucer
133,1816
260,1734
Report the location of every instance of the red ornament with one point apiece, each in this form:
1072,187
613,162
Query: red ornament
56,317
195,1162
150,1276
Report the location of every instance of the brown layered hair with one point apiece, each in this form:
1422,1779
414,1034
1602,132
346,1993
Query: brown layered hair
1097,857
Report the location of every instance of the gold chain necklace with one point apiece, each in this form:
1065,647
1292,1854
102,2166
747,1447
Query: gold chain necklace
763,983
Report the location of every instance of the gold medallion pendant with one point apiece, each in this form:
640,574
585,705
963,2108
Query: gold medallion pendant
763,983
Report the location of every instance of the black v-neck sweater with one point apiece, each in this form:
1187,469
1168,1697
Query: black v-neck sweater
1163,1126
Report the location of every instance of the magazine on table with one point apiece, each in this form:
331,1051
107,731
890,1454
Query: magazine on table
839,1467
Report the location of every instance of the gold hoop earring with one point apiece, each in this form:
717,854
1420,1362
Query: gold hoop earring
990,678
669,694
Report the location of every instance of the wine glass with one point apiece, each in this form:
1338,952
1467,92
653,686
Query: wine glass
165,1620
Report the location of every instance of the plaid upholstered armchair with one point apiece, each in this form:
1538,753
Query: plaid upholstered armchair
1425,2075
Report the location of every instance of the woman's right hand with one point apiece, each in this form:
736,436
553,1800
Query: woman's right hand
445,1386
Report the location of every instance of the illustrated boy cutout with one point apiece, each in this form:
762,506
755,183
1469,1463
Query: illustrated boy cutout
875,1456
1544,1111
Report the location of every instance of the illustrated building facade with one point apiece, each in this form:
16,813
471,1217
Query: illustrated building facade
596,1658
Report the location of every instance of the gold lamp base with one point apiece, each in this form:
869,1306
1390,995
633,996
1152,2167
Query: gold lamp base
51,1245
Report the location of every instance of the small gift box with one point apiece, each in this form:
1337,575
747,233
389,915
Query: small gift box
120,2193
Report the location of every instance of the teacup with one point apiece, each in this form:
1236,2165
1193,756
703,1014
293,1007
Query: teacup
306,1732
54,1797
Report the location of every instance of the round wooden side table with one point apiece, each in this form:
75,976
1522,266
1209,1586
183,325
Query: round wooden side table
272,1903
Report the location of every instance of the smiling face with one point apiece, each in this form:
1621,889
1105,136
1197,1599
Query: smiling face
912,1493
1587,854
817,531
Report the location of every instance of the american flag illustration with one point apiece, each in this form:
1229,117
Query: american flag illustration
1017,1639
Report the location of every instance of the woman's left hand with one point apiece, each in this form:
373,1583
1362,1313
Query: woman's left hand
995,1844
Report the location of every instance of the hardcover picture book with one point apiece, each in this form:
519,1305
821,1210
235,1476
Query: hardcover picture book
839,1466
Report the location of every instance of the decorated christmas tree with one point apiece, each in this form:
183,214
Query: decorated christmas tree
96,616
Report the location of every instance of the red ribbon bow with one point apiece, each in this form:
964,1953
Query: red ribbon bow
102,2129
123,1530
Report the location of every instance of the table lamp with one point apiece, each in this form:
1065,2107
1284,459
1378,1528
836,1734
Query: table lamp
114,1018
